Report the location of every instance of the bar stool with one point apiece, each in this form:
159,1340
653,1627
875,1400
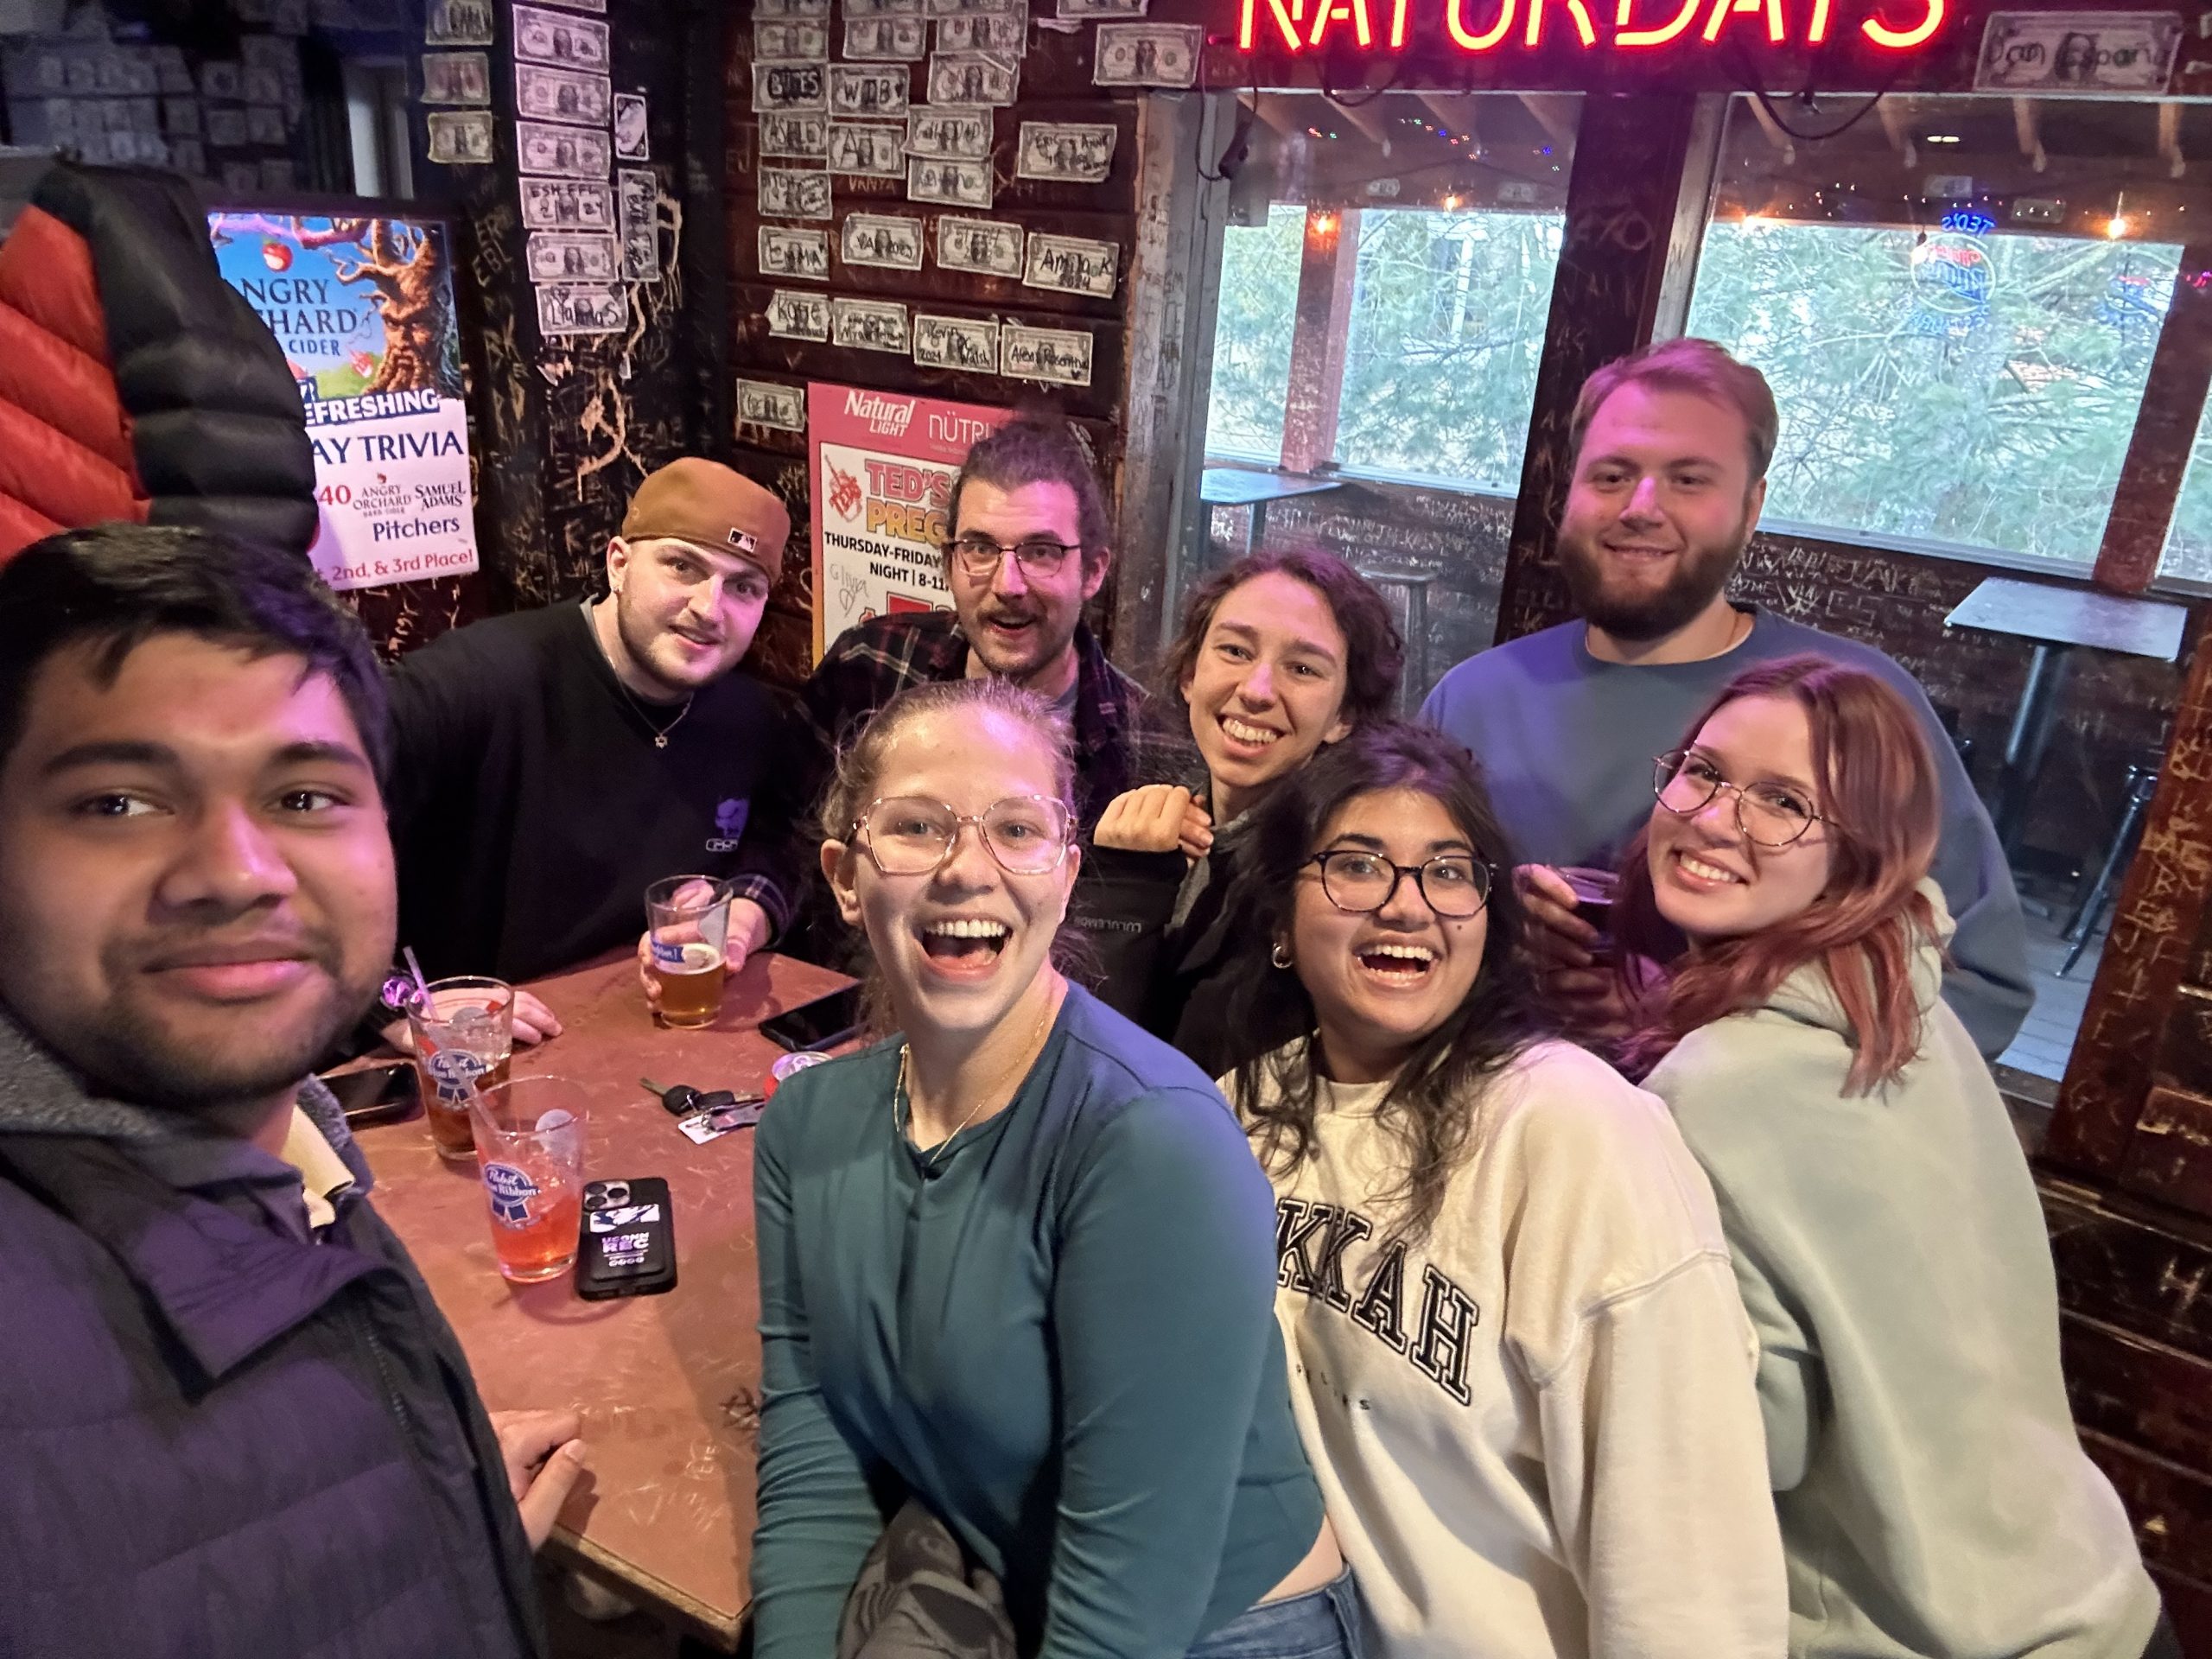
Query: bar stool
2142,782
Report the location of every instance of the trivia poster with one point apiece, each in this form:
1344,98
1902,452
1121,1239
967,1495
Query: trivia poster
882,467
364,310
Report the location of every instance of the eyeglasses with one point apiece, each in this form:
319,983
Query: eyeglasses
1037,556
1769,815
911,835
1455,885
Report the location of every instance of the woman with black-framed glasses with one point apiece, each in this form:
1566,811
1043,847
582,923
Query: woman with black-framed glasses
1017,1268
1518,1360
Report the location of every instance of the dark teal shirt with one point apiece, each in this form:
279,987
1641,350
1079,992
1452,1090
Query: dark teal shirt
1056,1330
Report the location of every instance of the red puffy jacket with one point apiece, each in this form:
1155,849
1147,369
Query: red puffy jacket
135,383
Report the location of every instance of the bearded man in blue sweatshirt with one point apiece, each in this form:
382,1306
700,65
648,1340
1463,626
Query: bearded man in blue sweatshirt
1670,452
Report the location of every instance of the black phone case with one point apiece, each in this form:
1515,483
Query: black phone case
600,1272
813,1024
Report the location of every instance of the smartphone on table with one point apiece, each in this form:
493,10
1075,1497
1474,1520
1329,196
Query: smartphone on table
824,1023
627,1242
378,1094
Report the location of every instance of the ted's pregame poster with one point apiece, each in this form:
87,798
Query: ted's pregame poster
882,466
364,310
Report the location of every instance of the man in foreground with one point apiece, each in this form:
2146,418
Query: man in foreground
550,765
235,1421
1671,447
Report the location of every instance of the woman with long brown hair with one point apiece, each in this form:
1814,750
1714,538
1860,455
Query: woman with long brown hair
1887,1239
1279,655
1518,1361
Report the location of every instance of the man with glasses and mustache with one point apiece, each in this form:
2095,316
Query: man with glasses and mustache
235,1421
552,764
1670,449
1025,546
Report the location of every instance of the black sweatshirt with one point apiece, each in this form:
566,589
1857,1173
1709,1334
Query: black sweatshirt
531,808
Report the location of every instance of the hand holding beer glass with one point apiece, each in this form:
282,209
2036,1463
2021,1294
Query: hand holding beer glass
686,946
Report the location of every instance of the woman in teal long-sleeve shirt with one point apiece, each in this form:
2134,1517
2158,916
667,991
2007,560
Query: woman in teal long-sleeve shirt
1020,1266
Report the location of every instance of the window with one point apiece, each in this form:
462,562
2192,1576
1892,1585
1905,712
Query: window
1251,346
1957,309
1401,283
1447,321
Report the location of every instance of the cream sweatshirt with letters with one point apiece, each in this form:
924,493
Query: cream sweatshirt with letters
1536,1430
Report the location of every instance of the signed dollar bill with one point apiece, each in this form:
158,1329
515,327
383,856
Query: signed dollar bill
869,325
796,315
791,193
637,215
564,152
954,184
1147,54
790,42
1078,152
949,135
963,343
766,402
1071,264
989,78
458,138
1059,356
791,86
988,247
574,256
890,241
886,39
791,7
567,43
582,309
448,78
1003,32
543,94
868,151
796,135
566,204
800,255
855,89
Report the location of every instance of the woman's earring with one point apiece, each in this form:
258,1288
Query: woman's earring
1280,955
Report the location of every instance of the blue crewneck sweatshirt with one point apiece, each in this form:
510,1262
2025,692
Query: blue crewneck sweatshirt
1056,1329
1566,741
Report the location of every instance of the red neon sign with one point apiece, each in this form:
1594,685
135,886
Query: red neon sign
1636,25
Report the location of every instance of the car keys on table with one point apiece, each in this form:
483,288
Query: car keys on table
707,1115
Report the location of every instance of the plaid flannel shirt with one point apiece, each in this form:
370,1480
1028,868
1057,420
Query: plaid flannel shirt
1118,743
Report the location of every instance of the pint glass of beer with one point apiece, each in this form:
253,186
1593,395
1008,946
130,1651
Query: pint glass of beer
464,1032
529,1150
687,921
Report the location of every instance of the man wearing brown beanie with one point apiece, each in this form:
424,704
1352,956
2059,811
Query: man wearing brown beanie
551,763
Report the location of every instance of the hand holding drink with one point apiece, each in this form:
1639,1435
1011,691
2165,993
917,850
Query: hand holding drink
687,941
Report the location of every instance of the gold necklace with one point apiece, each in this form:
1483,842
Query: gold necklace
637,707
1021,1061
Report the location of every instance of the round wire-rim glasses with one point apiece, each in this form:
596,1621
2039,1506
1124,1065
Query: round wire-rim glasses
1037,555
1359,882
912,834
1769,815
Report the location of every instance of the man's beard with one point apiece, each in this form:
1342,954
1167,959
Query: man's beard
134,1054
638,636
1039,651
1699,577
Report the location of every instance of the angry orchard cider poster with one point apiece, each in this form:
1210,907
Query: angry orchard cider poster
883,466
364,310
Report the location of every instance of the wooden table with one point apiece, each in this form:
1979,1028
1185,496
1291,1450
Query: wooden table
1241,486
2056,617
669,1385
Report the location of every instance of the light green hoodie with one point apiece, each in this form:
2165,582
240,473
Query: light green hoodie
1934,1499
